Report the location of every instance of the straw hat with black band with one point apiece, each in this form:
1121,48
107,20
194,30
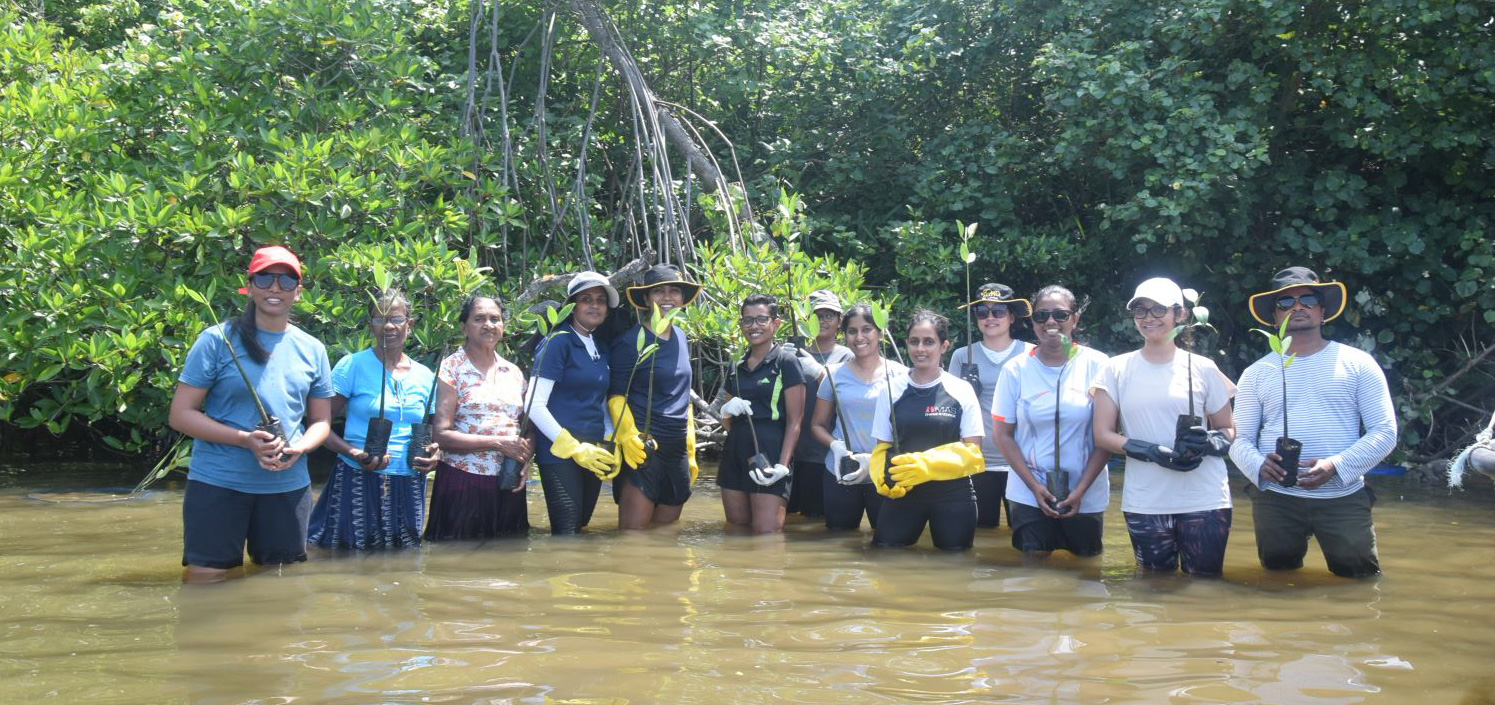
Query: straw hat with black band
660,275
1331,295
994,293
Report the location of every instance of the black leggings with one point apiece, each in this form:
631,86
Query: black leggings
570,496
948,506
991,494
845,504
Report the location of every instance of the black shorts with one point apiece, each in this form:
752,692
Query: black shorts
948,506
1033,531
737,454
664,477
217,522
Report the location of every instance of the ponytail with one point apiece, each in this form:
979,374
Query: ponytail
249,339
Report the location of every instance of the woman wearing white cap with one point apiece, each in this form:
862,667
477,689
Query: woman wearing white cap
1176,498
571,454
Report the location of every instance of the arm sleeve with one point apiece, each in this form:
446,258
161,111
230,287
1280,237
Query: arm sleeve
1377,417
882,430
342,377
790,370
321,383
539,409
621,358
1108,379
1004,397
199,369
972,425
1247,419
823,390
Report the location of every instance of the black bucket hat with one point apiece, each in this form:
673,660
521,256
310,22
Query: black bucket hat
660,275
994,293
1332,294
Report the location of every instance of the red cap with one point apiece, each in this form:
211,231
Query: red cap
266,257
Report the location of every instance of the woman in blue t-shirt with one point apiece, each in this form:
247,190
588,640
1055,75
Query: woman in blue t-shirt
848,397
246,484
928,431
377,501
573,458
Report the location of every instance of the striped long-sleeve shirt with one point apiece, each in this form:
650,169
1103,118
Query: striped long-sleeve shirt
1339,408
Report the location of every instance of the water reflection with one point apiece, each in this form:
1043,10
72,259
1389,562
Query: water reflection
91,609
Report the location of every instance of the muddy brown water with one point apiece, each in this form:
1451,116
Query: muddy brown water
91,610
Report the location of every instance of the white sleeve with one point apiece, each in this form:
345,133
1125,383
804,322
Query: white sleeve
539,409
972,424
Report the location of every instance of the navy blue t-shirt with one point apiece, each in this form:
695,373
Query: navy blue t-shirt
670,367
578,400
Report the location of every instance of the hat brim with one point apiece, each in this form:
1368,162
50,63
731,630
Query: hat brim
638,296
1333,293
1026,305
612,293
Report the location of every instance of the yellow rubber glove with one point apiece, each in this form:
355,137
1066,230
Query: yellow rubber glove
690,445
951,461
592,458
628,444
878,470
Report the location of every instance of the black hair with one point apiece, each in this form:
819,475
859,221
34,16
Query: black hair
940,323
467,305
761,300
859,310
248,339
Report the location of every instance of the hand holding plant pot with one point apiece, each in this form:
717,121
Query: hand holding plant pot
1282,466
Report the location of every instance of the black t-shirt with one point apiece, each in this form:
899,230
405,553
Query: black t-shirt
927,418
765,385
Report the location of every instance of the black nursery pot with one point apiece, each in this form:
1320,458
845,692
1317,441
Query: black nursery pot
276,429
972,375
1290,451
847,466
510,474
760,462
1057,483
1182,426
420,437
376,441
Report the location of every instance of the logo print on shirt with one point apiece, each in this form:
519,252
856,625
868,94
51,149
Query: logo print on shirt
946,412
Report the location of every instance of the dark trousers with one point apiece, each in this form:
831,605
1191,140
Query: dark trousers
570,496
1342,526
845,504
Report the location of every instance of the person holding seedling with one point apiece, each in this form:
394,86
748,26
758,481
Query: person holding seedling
1175,429
806,495
651,380
1320,403
928,431
376,496
255,395
573,457
764,410
479,492
1042,413
844,413
995,309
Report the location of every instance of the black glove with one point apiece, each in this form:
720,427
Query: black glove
972,375
1199,441
1166,457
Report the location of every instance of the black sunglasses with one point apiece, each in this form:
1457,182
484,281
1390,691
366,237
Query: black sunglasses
1058,314
287,282
1286,303
983,311
1140,312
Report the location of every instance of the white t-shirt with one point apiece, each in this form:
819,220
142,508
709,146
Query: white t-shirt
1025,397
1151,397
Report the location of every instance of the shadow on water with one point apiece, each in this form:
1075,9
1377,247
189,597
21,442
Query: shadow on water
92,610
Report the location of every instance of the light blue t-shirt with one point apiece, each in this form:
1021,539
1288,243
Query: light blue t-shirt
296,372
858,404
356,378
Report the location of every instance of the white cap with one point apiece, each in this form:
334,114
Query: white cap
1159,289
587,280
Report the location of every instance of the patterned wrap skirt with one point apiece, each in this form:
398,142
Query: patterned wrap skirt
366,510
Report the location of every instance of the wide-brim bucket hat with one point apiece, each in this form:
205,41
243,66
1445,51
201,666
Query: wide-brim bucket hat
1331,294
592,280
660,275
994,293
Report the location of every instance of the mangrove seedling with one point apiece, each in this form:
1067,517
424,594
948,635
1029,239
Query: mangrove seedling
1289,450
509,470
759,461
1056,480
1198,320
968,370
658,323
269,424
421,431
880,319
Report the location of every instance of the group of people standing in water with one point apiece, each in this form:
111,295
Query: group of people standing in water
949,442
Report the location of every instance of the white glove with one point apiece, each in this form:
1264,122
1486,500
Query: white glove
769,476
737,406
864,464
838,451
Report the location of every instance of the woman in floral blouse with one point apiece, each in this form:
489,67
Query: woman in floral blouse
478,405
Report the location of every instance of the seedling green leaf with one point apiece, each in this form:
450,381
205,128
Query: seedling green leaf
880,317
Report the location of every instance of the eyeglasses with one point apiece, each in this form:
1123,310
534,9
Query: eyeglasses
1140,312
746,321
1058,314
984,311
381,321
263,280
827,315
1286,303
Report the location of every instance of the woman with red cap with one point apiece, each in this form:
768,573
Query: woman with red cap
247,484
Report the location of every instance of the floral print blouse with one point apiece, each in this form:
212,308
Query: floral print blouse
486,406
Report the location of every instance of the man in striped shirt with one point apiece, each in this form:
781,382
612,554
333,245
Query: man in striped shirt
1338,406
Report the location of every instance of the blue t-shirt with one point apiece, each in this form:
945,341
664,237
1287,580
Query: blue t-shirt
296,372
672,379
579,399
356,378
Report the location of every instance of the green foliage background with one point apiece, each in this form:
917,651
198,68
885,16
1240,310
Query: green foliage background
147,146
